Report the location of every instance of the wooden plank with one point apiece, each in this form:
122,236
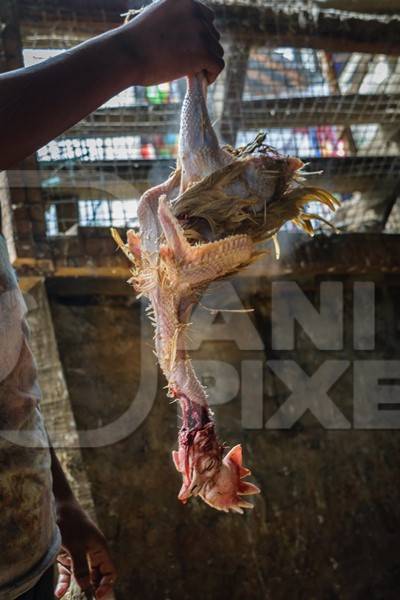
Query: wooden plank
339,174
89,284
138,120
349,253
364,6
262,113
292,24
263,24
235,80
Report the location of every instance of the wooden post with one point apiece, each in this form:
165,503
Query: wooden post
235,79
334,88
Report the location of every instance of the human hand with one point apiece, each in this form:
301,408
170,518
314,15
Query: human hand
171,39
84,554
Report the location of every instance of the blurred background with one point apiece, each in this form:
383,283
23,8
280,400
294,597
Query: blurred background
322,78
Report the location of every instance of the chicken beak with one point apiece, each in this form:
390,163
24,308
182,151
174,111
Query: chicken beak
193,488
196,484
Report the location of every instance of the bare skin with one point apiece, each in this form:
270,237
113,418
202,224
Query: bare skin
214,192
171,273
172,279
170,39
84,554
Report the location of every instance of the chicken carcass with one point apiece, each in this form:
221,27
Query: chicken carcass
200,225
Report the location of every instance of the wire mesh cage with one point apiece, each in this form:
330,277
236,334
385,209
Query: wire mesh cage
290,71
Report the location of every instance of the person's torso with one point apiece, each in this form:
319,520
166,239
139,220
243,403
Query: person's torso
29,539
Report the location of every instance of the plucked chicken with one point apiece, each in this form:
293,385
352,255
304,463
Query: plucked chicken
205,223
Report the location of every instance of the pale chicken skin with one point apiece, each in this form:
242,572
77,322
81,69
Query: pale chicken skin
200,225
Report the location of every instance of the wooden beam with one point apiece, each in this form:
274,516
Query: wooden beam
339,174
98,282
65,23
235,79
331,76
357,166
266,113
348,253
138,120
292,24
47,25
343,110
363,6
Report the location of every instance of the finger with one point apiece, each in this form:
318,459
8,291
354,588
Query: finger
63,581
212,29
64,559
102,571
105,587
204,11
211,40
95,577
210,59
80,569
96,559
213,68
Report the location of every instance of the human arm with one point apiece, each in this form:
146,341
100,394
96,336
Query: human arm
168,40
84,552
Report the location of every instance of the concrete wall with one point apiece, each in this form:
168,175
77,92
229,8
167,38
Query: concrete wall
326,525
